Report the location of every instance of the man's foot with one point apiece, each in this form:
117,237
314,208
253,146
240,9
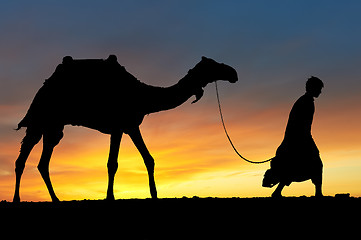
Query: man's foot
318,195
276,195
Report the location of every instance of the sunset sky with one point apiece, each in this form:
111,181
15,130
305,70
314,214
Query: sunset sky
274,46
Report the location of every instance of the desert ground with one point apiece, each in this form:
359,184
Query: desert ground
186,218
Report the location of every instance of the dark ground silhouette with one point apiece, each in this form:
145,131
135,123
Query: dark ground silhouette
297,158
188,218
101,95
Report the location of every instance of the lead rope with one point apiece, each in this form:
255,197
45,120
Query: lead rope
229,139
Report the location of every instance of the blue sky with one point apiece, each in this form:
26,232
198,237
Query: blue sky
274,46
264,40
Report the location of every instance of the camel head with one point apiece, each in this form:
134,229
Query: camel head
208,71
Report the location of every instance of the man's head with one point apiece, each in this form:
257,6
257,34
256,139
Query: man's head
314,86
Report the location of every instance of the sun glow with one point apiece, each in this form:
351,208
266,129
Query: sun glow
192,157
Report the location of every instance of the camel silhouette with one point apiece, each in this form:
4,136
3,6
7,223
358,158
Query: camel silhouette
102,95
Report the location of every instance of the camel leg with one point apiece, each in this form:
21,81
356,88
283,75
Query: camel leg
318,190
112,165
31,138
49,142
317,181
138,141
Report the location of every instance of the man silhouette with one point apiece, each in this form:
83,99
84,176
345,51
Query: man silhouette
297,158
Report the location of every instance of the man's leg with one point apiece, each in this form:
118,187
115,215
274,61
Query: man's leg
278,191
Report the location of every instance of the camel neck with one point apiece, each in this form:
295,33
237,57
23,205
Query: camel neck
161,99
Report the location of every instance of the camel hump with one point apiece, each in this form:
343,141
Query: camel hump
67,59
81,69
76,82
111,59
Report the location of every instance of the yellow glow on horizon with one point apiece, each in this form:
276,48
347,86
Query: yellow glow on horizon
192,155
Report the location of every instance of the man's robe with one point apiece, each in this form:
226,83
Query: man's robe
297,158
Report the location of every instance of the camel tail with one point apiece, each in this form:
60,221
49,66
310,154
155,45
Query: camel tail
22,123
19,127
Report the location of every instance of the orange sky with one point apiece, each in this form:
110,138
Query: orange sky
192,155
274,46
